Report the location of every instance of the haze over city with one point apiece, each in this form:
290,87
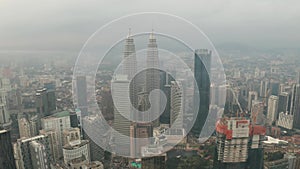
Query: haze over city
142,84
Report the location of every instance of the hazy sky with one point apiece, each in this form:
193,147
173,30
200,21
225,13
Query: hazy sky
65,25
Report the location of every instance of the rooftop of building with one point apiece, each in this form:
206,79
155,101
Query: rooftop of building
70,147
23,140
61,114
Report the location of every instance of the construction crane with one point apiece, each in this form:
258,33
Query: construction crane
237,100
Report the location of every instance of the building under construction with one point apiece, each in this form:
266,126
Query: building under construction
238,144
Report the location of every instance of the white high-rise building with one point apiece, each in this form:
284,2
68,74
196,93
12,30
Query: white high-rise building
130,63
177,105
74,148
57,122
120,93
153,77
53,143
272,109
130,69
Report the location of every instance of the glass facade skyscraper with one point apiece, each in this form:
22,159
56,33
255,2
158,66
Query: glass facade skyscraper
202,66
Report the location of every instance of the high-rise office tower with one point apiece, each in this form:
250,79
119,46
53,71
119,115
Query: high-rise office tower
251,96
153,77
283,100
130,69
39,157
165,82
286,109
202,66
51,96
28,128
81,93
41,102
177,105
74,147
74,120
5,120
7,160
57,122
272,109
34,124
295,105
30,150
120,86
53,143
96,151
214,94
239,144
45,102
264,88
130,62
275,86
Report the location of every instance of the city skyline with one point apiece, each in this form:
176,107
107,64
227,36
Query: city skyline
150,84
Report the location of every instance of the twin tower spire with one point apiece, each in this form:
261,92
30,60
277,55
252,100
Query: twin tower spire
151,78
130,62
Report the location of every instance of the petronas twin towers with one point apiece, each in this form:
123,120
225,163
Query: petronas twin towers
141,88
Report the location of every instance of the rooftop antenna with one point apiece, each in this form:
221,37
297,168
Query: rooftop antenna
152,34
129,32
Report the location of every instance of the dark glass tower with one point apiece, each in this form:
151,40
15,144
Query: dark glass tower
283,103
275,86
165,85
81,91
45,102
202,64
295,106
7,160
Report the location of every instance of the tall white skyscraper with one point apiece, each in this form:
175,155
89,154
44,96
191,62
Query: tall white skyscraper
130,63
57,122
122,109
130,69
153,76
272,109
177,105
